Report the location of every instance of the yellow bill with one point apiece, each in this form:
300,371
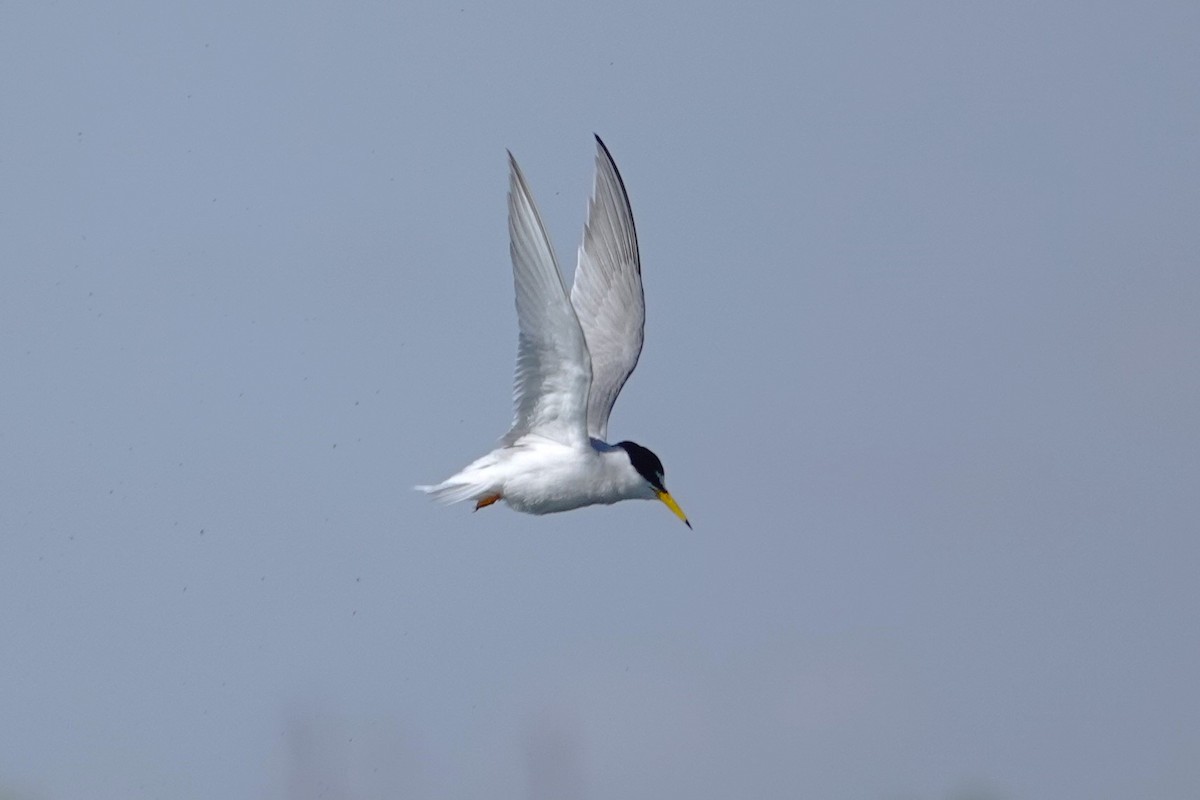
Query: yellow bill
671,504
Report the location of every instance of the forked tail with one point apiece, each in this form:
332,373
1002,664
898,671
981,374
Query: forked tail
455,490
476,481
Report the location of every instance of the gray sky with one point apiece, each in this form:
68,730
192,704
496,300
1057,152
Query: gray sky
921,362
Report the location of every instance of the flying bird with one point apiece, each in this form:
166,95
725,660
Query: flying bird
574,353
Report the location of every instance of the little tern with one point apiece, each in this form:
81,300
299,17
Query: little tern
574,353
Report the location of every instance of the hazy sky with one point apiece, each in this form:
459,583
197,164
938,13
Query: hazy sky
922,362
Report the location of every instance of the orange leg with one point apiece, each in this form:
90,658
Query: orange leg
486,501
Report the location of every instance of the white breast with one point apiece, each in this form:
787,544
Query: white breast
542,477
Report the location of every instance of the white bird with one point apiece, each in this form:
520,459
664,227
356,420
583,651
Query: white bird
574,353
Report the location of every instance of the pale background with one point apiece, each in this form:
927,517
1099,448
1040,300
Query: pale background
922,362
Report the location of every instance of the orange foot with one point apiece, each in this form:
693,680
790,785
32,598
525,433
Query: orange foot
486,501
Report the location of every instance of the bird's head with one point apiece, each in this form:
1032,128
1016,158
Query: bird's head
651,469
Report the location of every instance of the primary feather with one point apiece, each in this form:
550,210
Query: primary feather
607,295
550,386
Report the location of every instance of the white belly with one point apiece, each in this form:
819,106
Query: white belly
545,477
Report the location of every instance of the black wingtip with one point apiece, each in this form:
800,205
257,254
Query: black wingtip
685,522
603,146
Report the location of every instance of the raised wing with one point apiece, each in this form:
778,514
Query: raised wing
607,294
553,371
